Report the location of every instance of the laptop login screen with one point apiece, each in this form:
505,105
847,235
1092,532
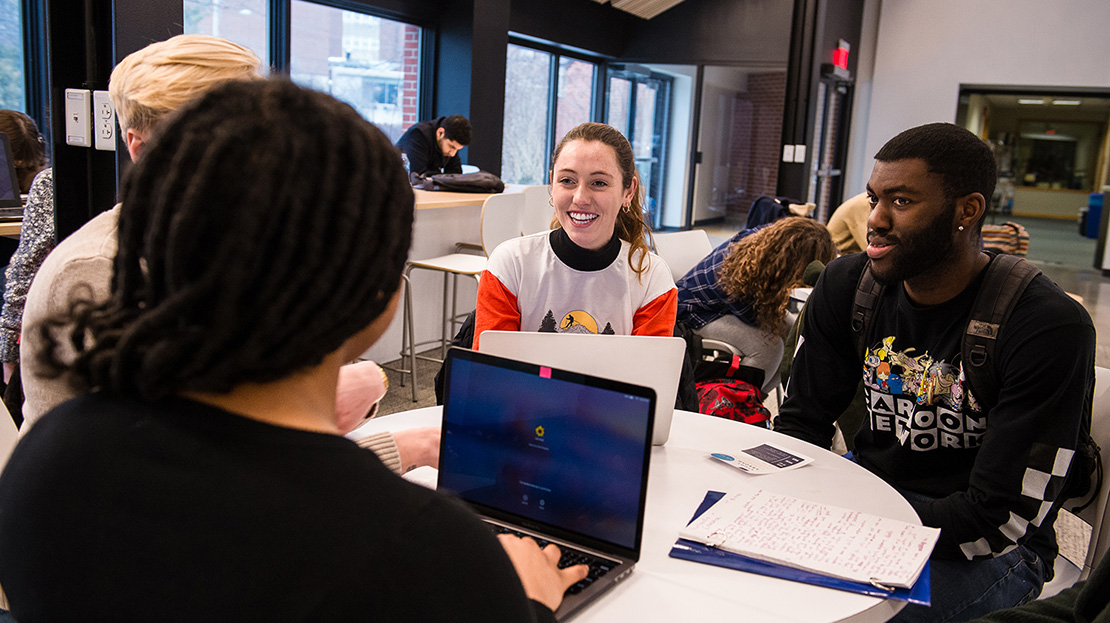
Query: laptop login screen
552,450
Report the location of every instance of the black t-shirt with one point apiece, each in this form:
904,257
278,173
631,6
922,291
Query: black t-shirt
996,472
117,509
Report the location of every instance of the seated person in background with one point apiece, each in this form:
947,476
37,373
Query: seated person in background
29,158
985,468
738,294
203,477
749,277
593,273
848,224
433,146
144,87
28,146
36,239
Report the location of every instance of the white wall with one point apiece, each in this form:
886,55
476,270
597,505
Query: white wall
926,48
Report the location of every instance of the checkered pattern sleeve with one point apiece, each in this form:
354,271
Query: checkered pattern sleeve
1046,357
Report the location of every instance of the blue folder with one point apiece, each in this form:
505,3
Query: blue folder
699,552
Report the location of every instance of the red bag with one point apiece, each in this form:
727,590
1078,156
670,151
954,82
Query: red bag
733,399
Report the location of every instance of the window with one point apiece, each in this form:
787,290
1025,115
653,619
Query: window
11,56
369,62
546,95
241,21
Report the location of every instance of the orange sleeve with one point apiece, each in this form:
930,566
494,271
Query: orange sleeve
497,307
658,316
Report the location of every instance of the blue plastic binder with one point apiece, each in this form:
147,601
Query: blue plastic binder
699,552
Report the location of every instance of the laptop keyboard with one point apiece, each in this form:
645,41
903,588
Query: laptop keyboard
570,557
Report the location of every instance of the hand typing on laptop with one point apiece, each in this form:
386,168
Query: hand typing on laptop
538,569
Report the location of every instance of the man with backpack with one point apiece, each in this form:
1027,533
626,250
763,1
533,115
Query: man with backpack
978,373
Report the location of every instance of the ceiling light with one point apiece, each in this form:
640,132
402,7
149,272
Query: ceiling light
1030,101
1066,102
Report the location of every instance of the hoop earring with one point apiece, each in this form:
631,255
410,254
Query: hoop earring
627,208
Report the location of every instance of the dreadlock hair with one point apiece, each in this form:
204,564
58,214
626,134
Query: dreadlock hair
963,160
762,267
265,225
630,225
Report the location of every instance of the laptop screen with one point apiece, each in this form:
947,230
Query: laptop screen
9,183
555,447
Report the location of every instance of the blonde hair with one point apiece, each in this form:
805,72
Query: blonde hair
163,76
762,267
630,225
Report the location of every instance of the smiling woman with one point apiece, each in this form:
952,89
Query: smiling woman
594,272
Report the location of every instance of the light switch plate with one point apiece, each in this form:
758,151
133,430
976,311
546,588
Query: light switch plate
78,113
104,122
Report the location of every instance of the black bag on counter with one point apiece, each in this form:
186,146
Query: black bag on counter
479,182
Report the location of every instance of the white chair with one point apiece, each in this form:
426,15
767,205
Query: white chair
1095,513
538,212
500,221
682,250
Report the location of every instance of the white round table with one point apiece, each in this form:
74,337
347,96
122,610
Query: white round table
662,588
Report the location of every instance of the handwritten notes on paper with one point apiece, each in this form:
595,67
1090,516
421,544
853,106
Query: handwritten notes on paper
825,539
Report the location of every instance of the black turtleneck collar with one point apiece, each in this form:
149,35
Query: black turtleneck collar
583,259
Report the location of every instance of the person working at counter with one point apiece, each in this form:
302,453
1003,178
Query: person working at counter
433,146
987,469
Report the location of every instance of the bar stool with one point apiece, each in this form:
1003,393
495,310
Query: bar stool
500,221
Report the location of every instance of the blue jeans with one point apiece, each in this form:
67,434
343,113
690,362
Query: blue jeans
965,589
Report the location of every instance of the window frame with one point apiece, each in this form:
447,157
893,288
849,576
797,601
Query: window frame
597,99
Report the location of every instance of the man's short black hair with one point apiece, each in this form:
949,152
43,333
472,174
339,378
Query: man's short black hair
962,159
456,128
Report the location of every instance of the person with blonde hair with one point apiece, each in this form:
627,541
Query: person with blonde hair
145,87
750,276
164,76
594,272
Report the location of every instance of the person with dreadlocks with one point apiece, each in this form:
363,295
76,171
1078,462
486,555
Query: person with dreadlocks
746,281
144,87
202,476
593,273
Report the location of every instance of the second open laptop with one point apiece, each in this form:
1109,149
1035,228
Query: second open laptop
558,456
644,360
11,204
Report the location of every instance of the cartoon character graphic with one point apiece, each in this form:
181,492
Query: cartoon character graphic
882,375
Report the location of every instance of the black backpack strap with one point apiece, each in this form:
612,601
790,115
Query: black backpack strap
1005,280
863,307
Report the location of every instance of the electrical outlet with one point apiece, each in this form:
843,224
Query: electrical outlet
104,122
78,112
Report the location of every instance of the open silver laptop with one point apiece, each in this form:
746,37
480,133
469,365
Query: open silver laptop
555,455
644,360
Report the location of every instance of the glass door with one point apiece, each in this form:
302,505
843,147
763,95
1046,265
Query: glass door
638,105
826,183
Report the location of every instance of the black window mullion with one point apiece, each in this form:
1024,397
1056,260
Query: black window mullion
280,27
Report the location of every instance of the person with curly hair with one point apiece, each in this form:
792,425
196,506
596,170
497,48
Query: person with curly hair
738,294
750,276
